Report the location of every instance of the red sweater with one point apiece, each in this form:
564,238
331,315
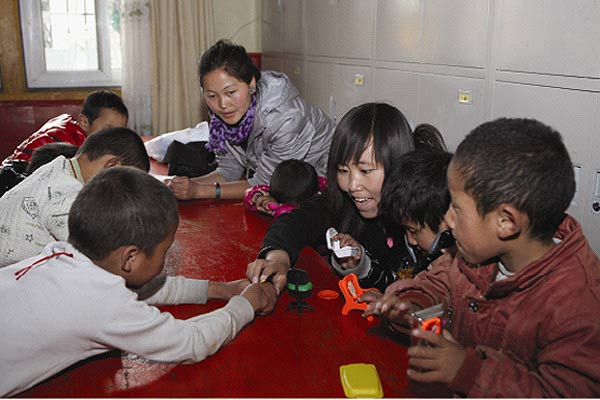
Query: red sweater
59,129
535,334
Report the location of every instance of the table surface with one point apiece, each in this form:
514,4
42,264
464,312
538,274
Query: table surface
285,354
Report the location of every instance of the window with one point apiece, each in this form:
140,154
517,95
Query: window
71,43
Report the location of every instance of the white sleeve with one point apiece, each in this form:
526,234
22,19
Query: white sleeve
143,330
180,290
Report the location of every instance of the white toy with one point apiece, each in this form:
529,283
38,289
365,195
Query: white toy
334,245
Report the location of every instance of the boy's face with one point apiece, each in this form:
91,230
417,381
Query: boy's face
148,267
475,235
420,236
107,118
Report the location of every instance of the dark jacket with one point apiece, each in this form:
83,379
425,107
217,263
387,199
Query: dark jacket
306,226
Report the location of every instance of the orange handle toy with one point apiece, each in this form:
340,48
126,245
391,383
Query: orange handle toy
352,291
431,323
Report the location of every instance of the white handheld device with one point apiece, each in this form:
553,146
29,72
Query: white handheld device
334,245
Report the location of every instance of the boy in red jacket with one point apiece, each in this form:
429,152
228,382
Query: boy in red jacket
100,109
523,295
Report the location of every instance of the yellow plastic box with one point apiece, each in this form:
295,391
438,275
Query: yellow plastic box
361,381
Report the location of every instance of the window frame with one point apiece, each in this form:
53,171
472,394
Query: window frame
37,77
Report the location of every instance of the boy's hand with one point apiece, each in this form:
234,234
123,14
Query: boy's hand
226,290
387,305
347,240
276,265
439,362
262,297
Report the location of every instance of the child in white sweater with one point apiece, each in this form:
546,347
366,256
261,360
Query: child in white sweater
73,301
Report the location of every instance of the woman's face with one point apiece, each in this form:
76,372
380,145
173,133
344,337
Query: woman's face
362,182
227,96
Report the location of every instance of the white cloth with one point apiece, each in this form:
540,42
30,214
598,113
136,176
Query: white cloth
36,211
67,309
157,147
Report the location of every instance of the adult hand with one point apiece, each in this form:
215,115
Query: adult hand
181,186
275,265
439,362
262,297
347,240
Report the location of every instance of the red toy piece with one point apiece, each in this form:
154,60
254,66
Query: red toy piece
352,291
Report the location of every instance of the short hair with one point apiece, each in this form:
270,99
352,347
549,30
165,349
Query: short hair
100,99
232,58
48,152
417,190
521,162
293,181
121,206
388,129
120,142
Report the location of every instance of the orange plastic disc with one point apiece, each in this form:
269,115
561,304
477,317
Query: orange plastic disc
328,294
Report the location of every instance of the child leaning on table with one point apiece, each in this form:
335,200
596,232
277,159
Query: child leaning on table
292,182
72,302
415,196
524,292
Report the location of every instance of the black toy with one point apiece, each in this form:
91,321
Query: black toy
300,288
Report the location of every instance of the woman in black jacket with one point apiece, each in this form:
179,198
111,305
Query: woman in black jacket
366,143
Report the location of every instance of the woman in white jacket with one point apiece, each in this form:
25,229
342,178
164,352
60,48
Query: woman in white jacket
257,120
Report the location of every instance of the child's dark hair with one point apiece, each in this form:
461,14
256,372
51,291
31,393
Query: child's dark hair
121,142
521,162
232,58
388,129
293,181
121,206
417,190
48,152
100,99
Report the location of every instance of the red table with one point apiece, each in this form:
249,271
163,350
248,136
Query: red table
282,355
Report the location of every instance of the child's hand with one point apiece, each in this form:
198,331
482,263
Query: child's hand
347,240
226,290
262,203
262,297
439,362
386,305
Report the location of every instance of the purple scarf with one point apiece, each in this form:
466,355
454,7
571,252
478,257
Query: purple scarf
220,132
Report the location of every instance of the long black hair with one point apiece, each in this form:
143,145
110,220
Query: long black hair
232,58
389,131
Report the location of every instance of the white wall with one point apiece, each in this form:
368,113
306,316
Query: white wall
238,21
534,58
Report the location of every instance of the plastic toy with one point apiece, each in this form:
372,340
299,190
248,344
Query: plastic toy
334,245
429,319
300,288
361,381
352,291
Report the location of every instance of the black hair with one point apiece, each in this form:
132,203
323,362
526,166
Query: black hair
48,152
120,142
121,206
417,190
293,181
232,58
520,162
100,99
388,130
